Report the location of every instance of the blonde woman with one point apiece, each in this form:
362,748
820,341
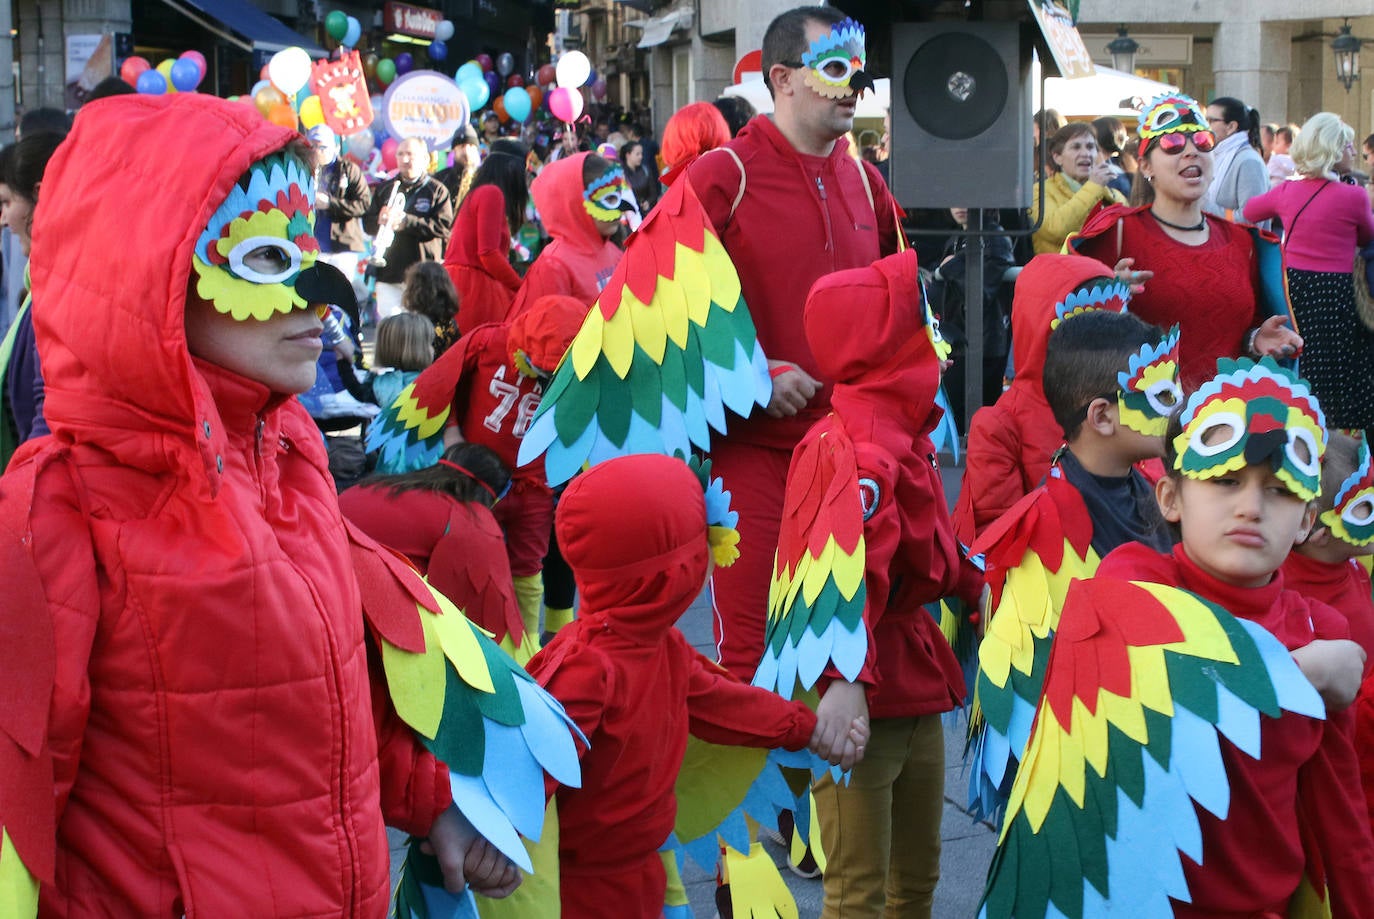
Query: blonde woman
1324,223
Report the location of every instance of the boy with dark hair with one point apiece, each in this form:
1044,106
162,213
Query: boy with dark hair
1111,381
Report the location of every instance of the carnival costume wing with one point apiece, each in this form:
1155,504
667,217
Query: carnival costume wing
474,572
410,431
1034,552
1143,682
667,348
817,595
472,706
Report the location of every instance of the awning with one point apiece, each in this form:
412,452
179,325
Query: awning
245,25
659,29
1107,92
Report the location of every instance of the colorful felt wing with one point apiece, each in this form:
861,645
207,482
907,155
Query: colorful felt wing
945,437
472,705
1143,682
409,433
1034,552
470,566
668,347
816,597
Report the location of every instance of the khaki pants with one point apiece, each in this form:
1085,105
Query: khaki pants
881,832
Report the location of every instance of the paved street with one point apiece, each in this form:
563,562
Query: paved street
967,844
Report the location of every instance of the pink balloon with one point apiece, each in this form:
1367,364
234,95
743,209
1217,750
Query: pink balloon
196,58
566,103
389,153
484,61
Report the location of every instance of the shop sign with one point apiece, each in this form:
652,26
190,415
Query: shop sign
1066,45
412,20
424,103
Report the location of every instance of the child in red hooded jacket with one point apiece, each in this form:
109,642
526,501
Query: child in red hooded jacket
1011,441
635,532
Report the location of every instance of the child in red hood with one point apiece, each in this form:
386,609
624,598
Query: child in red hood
635,532
1011,441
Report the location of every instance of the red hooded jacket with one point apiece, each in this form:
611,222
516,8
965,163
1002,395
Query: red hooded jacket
633,530
478,258
1011,441
884,401
211,728
579,261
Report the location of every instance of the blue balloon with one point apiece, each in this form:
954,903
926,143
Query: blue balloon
185,75
261,84
477,93
469,71
437,50
355,32
517,102
591,76
493,81
152,83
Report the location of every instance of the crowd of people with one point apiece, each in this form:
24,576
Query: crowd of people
213,585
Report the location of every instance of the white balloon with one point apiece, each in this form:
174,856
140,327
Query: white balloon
573,69
445,31
289,70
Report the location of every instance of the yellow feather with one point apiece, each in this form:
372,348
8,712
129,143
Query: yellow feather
618,341
819,573
849,570
459,641
650,328
409,413
756,888
721,271
1044,777
416,681
690,273
804,566
586,345
1071,766
18,888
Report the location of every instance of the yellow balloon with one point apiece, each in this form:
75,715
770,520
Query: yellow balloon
165,68
312,113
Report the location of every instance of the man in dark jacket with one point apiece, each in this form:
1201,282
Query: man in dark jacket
342,196
410,219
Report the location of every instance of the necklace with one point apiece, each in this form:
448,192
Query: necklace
1200,225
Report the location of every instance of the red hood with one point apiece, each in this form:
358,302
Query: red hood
557,195
866,328
1044,282
633,530
131,382
545,330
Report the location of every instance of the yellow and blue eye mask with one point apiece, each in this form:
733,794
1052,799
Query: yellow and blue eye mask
1170,113
1112,296
1253,414
834,65
1148,390
1352,517
608,195
259,240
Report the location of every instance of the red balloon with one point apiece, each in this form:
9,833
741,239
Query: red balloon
484,61
536,97
132,67
547,74
515,80
263,75
499,105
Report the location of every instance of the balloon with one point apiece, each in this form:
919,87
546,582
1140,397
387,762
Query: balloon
196,58
515,80
282,115
536,97
476,92
505,63
493,82
165,68
336,25
386,71
484,61
185,75
547,74
444,32
608,151
389,153
470,71
572,70
132,68
498,106
151,83
268,98
404,63
565,103
289,70
259,87
370,65
599,90
437,50
312,112
355,32
518,103
591,77
360,145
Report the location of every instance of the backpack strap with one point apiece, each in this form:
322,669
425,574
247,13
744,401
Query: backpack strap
739,196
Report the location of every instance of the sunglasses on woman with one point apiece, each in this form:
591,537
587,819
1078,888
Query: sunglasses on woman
1173,144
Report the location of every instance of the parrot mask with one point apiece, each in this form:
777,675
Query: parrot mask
1104,295
1170,113
1149,390
1250,414
607,195
834,65
1352,517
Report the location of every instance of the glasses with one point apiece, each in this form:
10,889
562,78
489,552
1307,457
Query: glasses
1173,144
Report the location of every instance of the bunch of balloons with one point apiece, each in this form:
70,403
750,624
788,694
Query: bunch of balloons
172,75
343,28
573,70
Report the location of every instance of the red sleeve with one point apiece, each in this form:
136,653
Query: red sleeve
1331,806
493,237
722,709
992,472
415,784
1364,743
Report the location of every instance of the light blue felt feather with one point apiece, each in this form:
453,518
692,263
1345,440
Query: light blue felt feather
787,670
549,733
562,462
1294,692
849,650
1195,756
813,654
474,799
1238,721
539,436
514,778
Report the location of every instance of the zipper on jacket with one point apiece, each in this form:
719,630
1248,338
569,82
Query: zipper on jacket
825,211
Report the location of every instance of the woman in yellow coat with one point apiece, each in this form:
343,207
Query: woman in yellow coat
1072,192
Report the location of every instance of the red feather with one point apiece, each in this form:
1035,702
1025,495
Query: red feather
390,589
470,567
435,386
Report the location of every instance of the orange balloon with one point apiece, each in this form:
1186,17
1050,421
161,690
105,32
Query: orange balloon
268,98
536,97
282,115
499,105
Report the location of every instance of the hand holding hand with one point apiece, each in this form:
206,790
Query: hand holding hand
842,730
792,389
466,858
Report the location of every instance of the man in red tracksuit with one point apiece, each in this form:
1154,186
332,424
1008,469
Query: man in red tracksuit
790,205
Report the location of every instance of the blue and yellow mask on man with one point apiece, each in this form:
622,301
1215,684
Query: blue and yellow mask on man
834,64
608,195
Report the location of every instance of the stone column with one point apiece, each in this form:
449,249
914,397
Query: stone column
1252,61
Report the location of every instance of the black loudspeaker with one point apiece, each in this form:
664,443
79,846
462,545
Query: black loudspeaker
961,119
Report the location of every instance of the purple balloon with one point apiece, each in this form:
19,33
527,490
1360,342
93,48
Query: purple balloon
151,83
404,63
185,75
493,82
